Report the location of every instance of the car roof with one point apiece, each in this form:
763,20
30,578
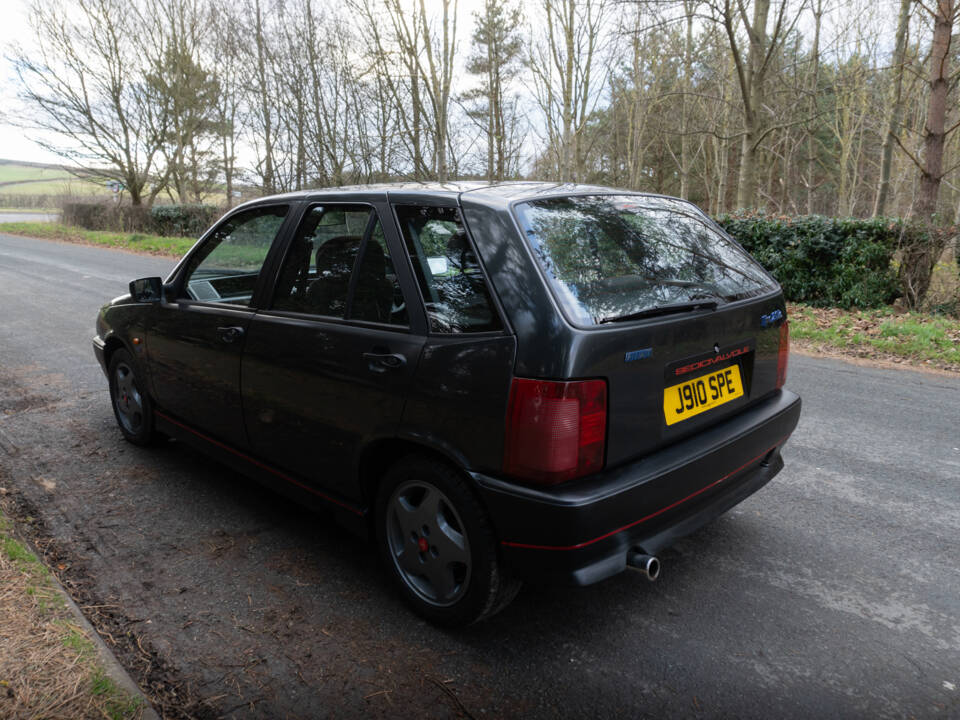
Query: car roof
497,194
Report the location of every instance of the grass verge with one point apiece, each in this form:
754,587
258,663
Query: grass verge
922,339
48,666
152,244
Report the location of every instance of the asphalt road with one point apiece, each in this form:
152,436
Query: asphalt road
834,592
28,216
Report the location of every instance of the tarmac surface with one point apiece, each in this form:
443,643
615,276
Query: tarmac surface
28,216
834,591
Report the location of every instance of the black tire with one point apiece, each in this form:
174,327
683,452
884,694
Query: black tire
437,544
132,406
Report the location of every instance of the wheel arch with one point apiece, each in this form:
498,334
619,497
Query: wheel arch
492,587
379,455
110,346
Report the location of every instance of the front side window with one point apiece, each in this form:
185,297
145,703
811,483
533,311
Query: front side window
226,268
613,257
338,266
448,272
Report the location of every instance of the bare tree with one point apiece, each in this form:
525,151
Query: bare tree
689,10
919,257
393,47
333,94
84,86
753,65
260,88
564,63
813,96
895,111
440,48
229,112
936,131
184,92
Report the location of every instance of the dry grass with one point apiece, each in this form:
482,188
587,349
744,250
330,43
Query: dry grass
48,666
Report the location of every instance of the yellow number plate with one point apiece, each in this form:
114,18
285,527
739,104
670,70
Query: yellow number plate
701,394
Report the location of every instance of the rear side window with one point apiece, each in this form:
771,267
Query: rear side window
338,266
447,270
610,257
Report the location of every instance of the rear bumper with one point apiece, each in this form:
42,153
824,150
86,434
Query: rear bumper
581,532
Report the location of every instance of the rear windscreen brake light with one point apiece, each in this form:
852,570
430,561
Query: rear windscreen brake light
556,431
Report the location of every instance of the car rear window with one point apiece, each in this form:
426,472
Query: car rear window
610,257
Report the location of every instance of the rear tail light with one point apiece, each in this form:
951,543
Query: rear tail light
783,353
556,431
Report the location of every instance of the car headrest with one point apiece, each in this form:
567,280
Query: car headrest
458,242
338,253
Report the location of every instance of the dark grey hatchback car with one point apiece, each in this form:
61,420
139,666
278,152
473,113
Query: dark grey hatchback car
496,382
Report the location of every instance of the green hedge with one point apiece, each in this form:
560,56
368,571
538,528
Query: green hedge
822,261
165,220
183,220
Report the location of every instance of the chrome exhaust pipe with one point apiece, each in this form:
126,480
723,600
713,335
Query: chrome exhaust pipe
647,564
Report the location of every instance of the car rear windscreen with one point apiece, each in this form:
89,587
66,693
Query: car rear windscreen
611,257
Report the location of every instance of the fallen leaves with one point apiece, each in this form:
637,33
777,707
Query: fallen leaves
886,335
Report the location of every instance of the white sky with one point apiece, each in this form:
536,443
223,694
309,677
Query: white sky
14,26
16,144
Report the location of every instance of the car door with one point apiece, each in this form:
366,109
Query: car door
196,340
327,364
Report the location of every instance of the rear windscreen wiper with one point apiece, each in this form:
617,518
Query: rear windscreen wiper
663,310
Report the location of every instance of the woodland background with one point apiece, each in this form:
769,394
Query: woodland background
840,108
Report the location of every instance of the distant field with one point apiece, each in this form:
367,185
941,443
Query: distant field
25,179
13,172
19,180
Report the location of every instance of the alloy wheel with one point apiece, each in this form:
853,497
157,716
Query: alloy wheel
428,543
128,401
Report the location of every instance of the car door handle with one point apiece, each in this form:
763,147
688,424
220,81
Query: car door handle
230,334
384,361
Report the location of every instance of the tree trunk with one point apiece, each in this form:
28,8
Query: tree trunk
689,7
895,118
265,109
920,256
814,86
566,169
934,133
492,144
723,149
228,170
752,87
747,183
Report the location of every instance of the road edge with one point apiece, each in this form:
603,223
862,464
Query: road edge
871,362
105,655
106,659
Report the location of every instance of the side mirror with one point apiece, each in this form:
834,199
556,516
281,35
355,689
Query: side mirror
147,290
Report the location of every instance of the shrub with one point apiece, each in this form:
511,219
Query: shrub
841,262
166,220
104,216
182,220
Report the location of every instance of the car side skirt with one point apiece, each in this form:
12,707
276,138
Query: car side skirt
349,515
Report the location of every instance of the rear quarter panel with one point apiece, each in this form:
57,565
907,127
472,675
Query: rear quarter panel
459,398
